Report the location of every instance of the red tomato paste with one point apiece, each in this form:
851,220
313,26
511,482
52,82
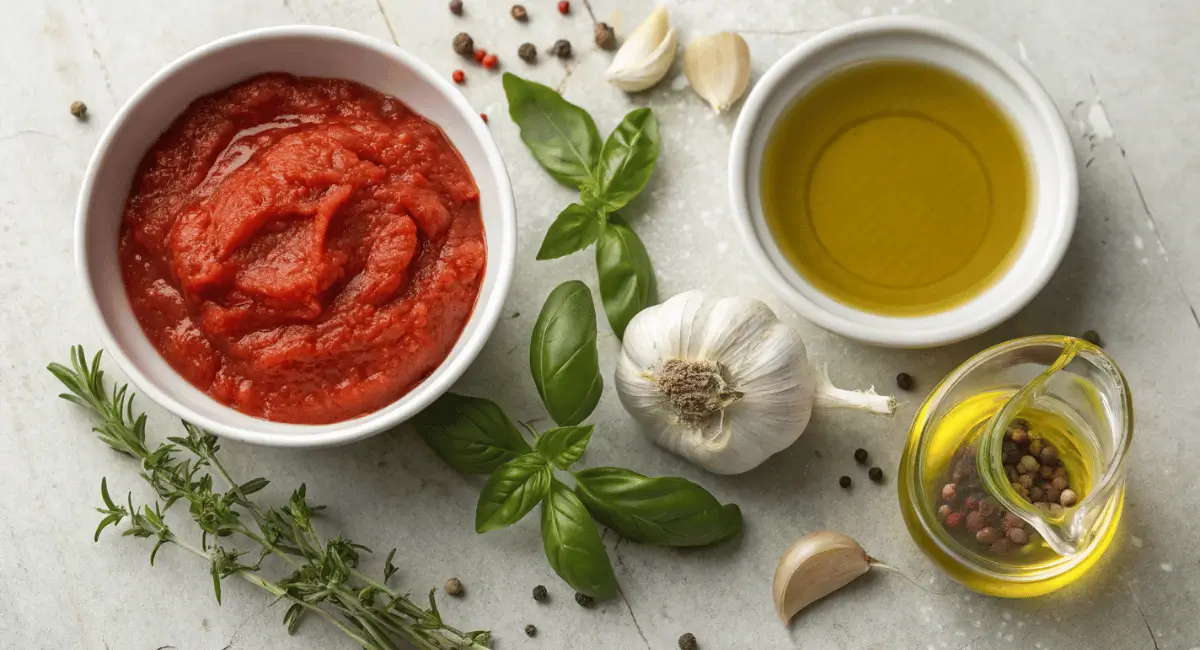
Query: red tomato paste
303,250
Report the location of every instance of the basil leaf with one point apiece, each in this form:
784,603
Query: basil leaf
564,445
626,275
511,492
662,511
573,545
576,228
473,435
563,356
561,136
628,159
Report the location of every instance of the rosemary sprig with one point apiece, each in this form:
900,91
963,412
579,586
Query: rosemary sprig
324,581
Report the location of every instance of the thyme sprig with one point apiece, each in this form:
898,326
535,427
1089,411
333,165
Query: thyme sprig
325,580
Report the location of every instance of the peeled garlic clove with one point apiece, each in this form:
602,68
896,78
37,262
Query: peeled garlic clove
817,565
718,68
646,56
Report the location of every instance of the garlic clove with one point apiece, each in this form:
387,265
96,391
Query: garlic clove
718,68
646,56
815,566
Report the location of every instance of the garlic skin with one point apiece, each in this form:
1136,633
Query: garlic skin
718,68
723,382
646,55
815,566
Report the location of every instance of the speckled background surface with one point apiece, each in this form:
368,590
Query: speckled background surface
1125,76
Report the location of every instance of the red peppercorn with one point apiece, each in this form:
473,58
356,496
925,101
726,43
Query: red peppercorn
490,61
458,76
954,519
564,7
484,117
480,54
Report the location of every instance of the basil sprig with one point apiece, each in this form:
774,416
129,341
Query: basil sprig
563,138
474,435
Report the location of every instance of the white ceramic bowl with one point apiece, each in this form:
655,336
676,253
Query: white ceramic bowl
1055,181
307,51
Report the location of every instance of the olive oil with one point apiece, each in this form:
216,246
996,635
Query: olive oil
1022,572
897,187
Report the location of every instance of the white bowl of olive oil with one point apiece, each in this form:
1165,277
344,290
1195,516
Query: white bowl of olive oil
903,182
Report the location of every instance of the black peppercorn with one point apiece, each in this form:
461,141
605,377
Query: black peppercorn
844,481
464,45
79,110
530,630
527,52
875,474
584,600
688,642
860,456
539,594
456,7
519,13
606,38
904,381
1092,337
561,49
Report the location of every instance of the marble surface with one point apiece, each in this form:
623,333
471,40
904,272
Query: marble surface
1125,76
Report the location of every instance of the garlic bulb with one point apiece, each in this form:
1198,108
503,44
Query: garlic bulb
722,382
646,56
815,566
718,68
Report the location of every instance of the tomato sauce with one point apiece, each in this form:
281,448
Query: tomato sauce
304,250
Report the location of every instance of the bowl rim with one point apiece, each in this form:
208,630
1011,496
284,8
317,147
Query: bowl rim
424,393
1063,216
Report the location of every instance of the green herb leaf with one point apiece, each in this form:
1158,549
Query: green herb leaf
511,492
626,275
628,158
662,511
573,545
292,617
563,356
473,435
576,228
564,445
252,486
561,136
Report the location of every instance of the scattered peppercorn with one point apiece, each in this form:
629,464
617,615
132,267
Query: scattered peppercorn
79,110
688,642
539,594
1018,536
454,587
860,456
1067,498
875,474
948,491
606,38
844,481
490,61
564,7
954,519
464,45
1092,337
519,13
904,381
527,52
458,76
530,630
456,7
561,49
584,600
975,522
479,53
483,116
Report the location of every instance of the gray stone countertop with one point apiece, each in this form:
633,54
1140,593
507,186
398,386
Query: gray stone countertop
1125,75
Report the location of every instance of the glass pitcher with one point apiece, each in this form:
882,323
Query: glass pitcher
1013,476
